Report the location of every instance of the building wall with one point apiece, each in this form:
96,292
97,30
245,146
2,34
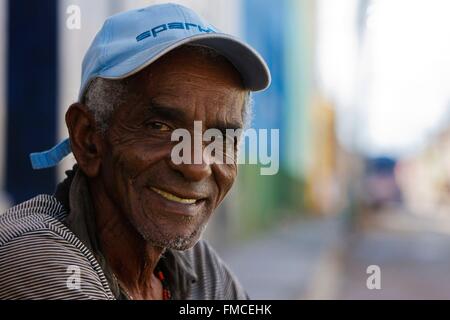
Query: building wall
4,198
283,32
31,94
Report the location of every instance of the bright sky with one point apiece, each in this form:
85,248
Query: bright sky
401,84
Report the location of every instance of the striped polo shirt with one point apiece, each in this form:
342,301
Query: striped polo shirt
39,253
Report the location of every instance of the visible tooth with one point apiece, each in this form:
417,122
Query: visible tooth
173,197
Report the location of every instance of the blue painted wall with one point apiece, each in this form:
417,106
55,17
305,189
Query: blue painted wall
264,28
31,94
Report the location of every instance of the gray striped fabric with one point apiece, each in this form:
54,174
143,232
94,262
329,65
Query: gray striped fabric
37,252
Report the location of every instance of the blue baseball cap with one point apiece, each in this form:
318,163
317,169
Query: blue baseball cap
130,41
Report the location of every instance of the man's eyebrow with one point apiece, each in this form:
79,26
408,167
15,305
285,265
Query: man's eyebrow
166,112
179,115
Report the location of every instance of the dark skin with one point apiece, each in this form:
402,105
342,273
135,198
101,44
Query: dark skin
130,164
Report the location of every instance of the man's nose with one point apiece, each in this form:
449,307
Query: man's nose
194,171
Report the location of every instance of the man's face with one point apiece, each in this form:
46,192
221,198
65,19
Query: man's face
168,204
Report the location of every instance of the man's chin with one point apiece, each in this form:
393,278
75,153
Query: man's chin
175,242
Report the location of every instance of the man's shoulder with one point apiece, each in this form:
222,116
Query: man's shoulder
203,253
214,277
41,213
38,254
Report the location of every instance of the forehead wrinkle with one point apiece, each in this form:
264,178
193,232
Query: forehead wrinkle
195,90
177,97
217,77
201,84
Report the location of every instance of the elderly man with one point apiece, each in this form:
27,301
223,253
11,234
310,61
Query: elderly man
126,222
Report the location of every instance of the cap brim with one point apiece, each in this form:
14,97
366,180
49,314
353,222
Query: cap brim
251,66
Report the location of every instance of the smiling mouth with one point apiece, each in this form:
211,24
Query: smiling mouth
171,197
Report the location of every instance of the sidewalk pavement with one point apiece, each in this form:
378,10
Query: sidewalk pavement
413,254
318,259
294,261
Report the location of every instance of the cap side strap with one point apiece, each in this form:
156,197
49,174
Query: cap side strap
50,158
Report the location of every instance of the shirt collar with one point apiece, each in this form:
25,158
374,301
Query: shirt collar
184,264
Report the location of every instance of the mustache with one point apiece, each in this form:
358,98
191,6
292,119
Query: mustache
176,183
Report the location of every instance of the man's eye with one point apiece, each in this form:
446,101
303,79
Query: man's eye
159,126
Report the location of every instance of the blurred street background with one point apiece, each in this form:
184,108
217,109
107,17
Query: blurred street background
361,95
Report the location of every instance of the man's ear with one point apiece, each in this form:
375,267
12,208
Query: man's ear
85,141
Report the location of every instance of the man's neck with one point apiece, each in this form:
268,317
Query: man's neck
130,257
